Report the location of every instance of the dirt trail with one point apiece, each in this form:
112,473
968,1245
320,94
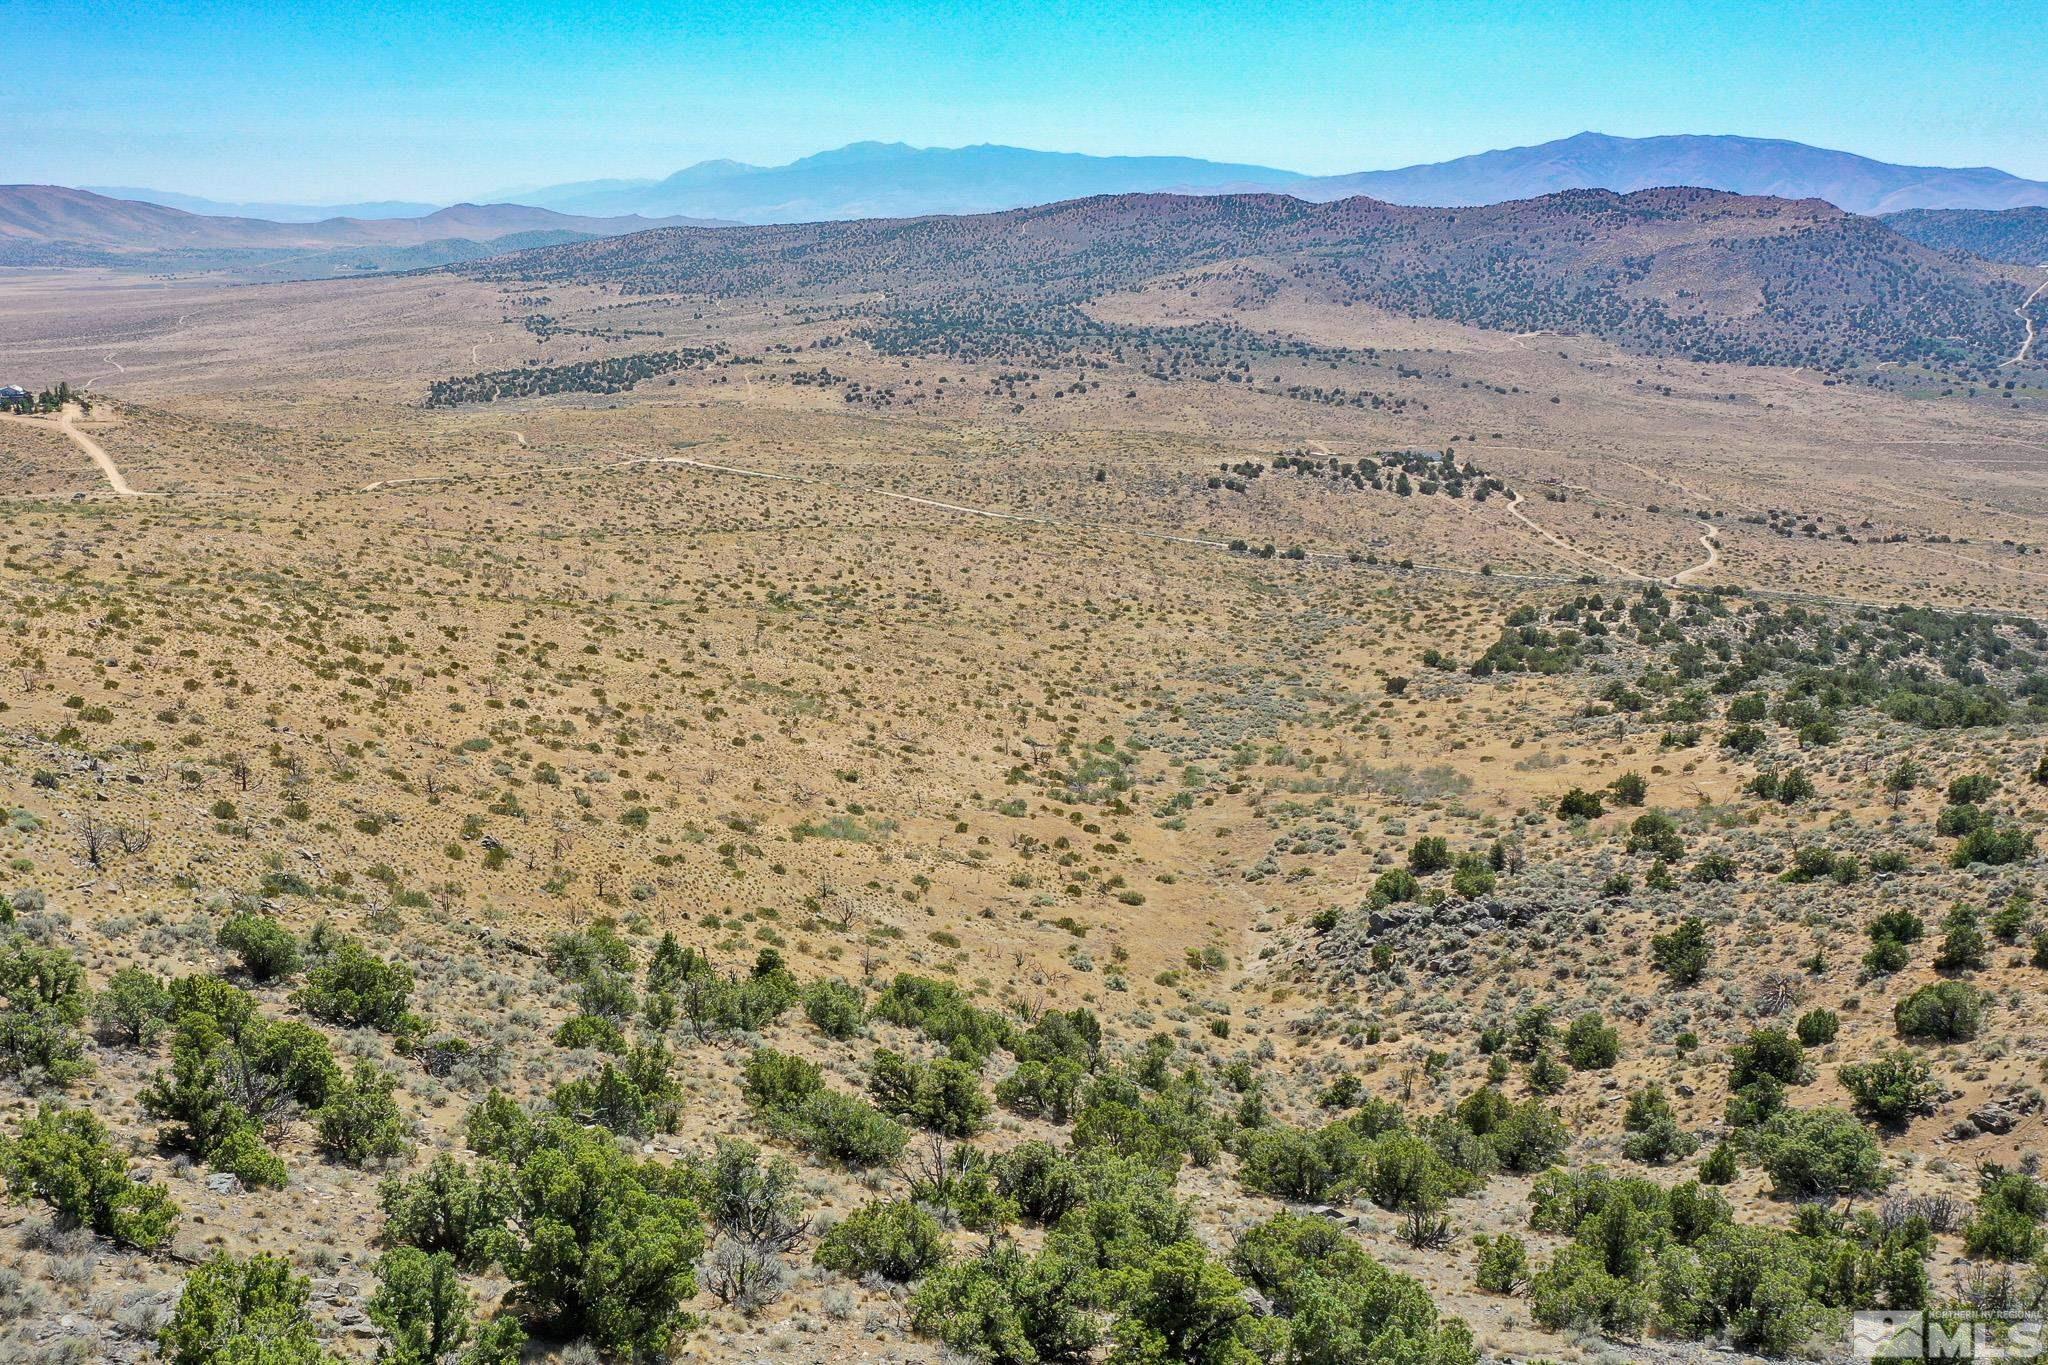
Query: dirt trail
119,368
1207,542
2027,345
67,423
1713,549
1983,563
1553,538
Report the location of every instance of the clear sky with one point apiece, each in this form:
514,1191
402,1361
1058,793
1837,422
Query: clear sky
323,101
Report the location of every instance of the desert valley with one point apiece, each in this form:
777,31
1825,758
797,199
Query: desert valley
1153,778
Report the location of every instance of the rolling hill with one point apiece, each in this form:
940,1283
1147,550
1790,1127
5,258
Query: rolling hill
1683,272
2019,236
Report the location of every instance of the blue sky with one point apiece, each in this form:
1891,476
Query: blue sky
396,98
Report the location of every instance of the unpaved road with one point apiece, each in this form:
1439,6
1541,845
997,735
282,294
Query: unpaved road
1553,538
2028,344
67,423
1713,548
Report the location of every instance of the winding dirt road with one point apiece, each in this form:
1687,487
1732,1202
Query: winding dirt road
2027,345
1207,542
1553,538
1713,549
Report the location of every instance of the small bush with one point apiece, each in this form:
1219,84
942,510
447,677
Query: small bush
361,1121
1591,1044
1818,1027
133,1010
236,1311
65,1158
352,987
1430,853
452,1208
243,1154
1682,954
42,1003
1503,1264
897,1240
1819,1153
265,948
1947,1012
1892,1088
1579,804
835,1009
943,1096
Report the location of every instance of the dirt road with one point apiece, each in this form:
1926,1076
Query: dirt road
1551,537
2027,345
1713,548
67,423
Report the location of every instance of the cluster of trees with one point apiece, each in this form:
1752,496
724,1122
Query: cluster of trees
1643,1256
614,374
597,1244
259,1310
1412,1169
1403,472
1473,873
1011,289
1926,667
1119,1238
47,400
600,1245
237,1078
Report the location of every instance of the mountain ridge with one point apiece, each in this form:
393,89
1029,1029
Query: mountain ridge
274,212
877,179
58,214
1776,167
874,179
888,180
1701,274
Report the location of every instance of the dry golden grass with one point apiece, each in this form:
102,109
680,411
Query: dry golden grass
845,710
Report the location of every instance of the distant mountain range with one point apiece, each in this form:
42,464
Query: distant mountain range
49,225
54,213
893,180
158,230
1740,165
276,213
884,180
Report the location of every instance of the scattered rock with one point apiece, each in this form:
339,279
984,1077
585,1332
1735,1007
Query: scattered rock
1992,1117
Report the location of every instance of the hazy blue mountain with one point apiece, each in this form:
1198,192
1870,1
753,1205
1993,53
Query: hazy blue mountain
50,225
547,196
893,180
1740,165
276,213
